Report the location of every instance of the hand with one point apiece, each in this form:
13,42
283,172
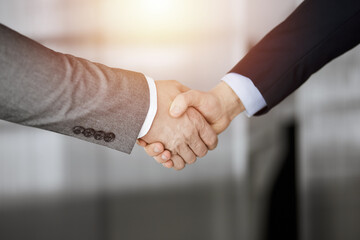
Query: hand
158,152
219,106
187,136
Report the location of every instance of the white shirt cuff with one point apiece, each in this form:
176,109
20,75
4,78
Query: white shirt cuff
248,93
152,108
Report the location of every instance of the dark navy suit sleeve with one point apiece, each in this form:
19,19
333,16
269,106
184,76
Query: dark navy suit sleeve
314,34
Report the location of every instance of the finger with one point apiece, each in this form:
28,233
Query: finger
187,154
154,149
179,163
185,100
164,157
206,132
141,142
208,136
168,164
198,146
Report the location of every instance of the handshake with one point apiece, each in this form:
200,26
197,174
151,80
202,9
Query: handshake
187,122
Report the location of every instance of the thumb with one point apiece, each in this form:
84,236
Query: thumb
183,101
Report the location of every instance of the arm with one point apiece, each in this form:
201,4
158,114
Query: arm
70,95
314,34
89,101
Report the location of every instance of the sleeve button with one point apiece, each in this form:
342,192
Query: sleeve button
99,135
109,137
78,129
89,132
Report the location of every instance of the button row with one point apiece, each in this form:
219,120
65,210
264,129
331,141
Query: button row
98,135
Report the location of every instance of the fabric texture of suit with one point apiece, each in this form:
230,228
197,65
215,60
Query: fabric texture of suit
314,34
70,95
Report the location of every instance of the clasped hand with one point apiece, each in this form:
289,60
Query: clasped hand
187,122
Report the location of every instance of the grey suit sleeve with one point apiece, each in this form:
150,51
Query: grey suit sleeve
70,95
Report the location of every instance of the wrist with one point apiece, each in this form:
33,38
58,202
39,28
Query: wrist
230,102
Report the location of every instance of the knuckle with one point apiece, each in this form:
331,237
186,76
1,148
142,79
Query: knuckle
177,149
180,165
192,160
188,133
202,152
197,120
210,138
200,149
213,141
193,114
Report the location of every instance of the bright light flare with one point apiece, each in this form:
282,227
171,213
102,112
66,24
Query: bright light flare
149,19
157,7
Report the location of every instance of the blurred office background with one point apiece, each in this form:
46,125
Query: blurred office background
292,174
